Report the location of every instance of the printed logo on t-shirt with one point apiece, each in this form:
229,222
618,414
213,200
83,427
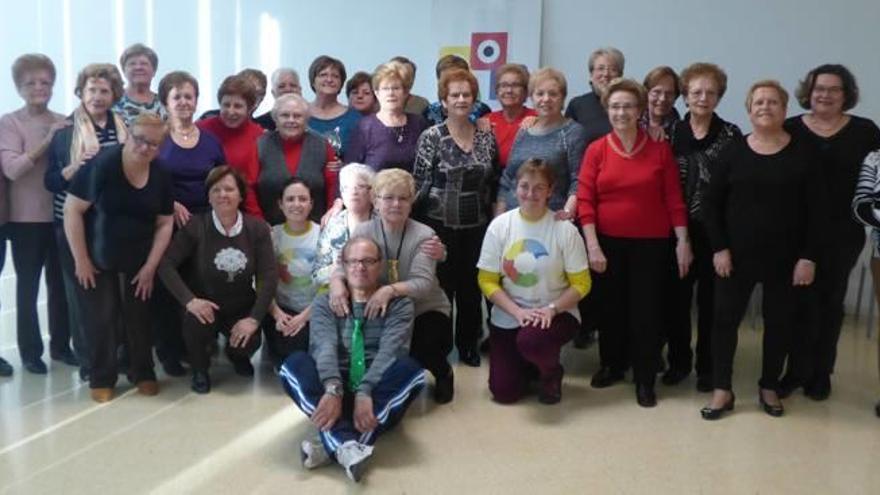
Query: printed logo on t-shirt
230,260
521,261
295,267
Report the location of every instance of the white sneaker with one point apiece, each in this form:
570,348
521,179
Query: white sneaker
313,454
351,456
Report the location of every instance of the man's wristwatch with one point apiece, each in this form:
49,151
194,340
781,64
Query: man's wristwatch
333,388
553,308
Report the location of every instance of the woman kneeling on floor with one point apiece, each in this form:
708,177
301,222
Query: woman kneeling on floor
534,270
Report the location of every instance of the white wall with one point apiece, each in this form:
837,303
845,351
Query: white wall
750,39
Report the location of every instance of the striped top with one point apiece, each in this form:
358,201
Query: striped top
106,137
866,208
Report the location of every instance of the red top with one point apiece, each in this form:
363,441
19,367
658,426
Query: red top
635,196
293,152
240,148
505,131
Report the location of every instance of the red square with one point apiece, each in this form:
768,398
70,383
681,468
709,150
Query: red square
488,50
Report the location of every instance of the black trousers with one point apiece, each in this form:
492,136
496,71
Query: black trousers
167,329
199,338
33,248
732,296
113,296
458,278
820,312
75,304
280,346
432,342
680,293
629,295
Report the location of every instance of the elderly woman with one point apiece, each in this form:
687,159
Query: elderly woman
355,183
359,92
454,172
329,118
129,227
552,138
409,271
94,127
865,208
662,84
388,138
587,110
292,150
435,113
840,142
629,200
534,269
699,142
415,104
765,215
25,136
235,277
187,154
511,87
284,81
139,64
237,133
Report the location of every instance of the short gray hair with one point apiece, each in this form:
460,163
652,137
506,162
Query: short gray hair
290,98
282,71
350,173
608,51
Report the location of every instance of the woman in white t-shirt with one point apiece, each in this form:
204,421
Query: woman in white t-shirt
534,270
296,246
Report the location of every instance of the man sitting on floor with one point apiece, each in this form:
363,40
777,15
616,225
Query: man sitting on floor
357,379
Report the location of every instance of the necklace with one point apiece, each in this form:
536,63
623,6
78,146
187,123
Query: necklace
393,263
186,136
400,132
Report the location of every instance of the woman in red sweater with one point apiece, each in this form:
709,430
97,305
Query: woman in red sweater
629,201
238,134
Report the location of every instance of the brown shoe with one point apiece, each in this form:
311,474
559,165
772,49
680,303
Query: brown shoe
148,387
102,394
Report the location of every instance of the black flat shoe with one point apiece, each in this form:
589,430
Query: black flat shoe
674,376
711,414
5,368
704,383
818,389
605,377
645,395
444,389
66,356
470,358
243,368
173,367
35,366
773,410
201,382
787,386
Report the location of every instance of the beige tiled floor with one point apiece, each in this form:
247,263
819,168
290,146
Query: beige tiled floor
243,438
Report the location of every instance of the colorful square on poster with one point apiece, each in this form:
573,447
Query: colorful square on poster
462,51
488,50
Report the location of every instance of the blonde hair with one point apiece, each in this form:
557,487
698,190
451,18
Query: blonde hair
548,74
392,70
393,178
766,83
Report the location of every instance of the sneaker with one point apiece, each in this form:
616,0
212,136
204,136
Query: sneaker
313,454
352,457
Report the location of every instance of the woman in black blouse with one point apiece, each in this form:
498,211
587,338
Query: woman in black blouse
229,250
840,142
129,227
698,142
455,171
764,213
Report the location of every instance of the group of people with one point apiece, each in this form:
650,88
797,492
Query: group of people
360,241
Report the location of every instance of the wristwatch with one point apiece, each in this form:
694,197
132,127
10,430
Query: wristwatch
554,308
333,388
